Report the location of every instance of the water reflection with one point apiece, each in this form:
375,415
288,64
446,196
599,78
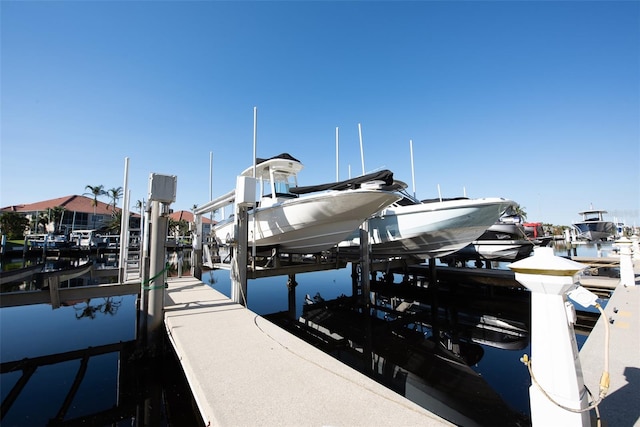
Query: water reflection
108,306
431,344
80,365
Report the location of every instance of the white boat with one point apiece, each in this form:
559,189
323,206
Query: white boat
429,228
306,219
593,226
509,239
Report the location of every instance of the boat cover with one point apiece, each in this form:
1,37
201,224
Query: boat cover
284,156
385,176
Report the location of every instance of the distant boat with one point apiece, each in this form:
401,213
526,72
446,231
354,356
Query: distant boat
306,219
509,239
593,226
47,241
429,228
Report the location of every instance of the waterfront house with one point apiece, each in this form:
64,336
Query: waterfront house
66,214
189,218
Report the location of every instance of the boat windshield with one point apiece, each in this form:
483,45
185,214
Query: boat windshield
282,182
407,199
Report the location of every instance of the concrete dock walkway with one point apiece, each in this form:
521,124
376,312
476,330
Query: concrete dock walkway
244,370
621,406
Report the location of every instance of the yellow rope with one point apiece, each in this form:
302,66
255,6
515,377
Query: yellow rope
604,379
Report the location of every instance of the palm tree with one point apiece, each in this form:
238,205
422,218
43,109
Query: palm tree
140,206
98,190
115,223
42,221
57,214
115,194
520,211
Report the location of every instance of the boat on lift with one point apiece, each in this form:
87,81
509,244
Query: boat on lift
308,219
508,239
593,226
430,228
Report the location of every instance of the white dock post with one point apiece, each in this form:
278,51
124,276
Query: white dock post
162,192
159,225
245,198
627,276
635,247
555,363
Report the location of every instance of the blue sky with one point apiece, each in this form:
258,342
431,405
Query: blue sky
536,101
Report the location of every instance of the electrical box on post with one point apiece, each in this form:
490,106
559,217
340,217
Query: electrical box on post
245,190
162,188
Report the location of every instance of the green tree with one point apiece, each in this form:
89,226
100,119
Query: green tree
96,191
13,224
41,222
519,210
179,228
113,226
115,194
56,214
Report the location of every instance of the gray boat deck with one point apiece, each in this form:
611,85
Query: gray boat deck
243,370
621,407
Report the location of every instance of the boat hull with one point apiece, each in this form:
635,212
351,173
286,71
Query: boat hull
432,230
502,250
312,223
595,230
502,241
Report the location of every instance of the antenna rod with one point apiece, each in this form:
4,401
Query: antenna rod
361,149
210,175
255,137
337,167
413,175
211,182
255,143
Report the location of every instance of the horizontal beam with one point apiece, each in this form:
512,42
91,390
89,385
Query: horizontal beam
215,204
15,299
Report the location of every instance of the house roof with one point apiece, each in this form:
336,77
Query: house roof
188,216
71,203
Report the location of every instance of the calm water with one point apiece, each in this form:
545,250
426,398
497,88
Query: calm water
115,387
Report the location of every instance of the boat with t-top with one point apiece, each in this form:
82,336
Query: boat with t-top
593,226
309,219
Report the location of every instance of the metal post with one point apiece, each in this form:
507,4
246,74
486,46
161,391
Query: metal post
156,284
144,262
124,227
245,199
355,282
291,287
239,276
196,257
54,286
364,264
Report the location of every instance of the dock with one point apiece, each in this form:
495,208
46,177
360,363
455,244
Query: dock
620,406
245,370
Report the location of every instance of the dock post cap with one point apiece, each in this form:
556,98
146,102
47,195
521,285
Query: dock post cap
547,273
543,261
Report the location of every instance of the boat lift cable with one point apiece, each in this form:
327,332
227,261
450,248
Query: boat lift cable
604,379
